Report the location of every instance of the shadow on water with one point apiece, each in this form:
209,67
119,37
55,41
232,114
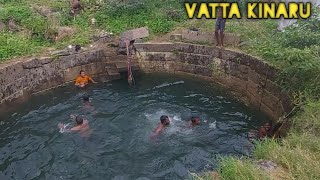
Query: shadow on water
122,121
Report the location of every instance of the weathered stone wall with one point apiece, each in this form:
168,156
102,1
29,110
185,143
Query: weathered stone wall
248,78
25,77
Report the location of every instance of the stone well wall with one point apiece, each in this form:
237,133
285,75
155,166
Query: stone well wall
25,77
248,78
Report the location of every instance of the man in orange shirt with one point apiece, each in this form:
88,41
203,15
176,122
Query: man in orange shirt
82,80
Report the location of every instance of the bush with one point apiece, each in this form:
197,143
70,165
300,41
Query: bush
12,45
158,16
16,13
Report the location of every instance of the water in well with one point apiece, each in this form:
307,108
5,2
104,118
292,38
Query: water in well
122,120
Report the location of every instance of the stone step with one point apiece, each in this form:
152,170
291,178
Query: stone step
111,65
112,70
113,73
123,66
114,76
109,53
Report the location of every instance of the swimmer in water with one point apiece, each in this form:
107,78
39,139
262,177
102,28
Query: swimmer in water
265,130
195,121
164,121
83,79
87,105
86,100
81,126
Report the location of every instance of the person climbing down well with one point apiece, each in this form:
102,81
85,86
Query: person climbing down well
83,80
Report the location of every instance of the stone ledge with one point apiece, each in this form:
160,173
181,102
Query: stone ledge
154,47
209,37
22,78
249,78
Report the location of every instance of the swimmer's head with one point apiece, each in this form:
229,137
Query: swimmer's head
82,73
79,120
268,125
164,120
86,98
195,120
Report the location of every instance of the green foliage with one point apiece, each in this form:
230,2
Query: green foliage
10,1
160,17
298,153
235,169
13,45
16,13
295,51
114,16
309,119
41,28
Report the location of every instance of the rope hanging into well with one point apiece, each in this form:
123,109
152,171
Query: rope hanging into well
130,75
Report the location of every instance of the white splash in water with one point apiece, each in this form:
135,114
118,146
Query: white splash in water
168,84
64,128
213,125
176,118
177,125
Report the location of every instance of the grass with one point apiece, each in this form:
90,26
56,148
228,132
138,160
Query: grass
299,152
234,169
38,32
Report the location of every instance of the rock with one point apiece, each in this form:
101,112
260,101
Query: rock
2,26
12,25
138,41
215,175
103,36
32,63
244,43
193,29
266,165
60,53
122,49
136,33
64,32
176,37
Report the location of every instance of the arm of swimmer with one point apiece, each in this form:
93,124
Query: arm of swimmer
153,135
74,129
92,80
156,132
158,129
77,82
